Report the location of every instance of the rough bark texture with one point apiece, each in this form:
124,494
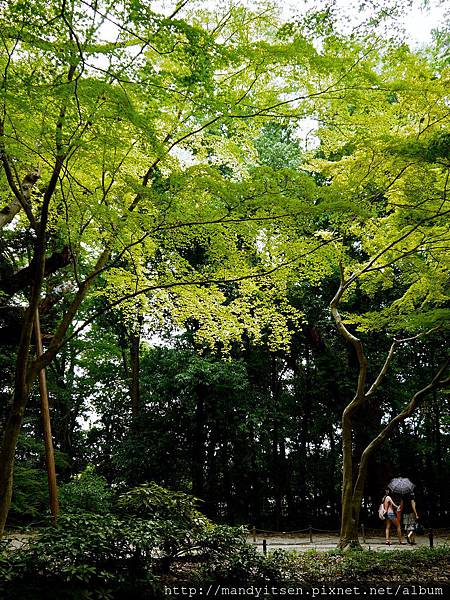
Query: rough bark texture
9,211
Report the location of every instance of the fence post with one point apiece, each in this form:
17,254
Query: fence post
363,533
431,538
254,533
310,534
264,547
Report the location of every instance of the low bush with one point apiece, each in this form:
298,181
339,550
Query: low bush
87,492
112,551
246,566
30,494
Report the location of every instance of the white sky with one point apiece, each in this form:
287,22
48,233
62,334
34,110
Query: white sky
417,22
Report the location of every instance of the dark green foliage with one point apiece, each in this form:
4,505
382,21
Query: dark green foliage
30,485
152,501
86,492
30,494
110,551
99,551
248,567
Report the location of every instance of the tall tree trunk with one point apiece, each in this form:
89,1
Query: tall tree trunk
199,443
135,391
11,431
349,525
47,430
23,379
8,448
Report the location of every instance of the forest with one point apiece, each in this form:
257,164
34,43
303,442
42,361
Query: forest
224,291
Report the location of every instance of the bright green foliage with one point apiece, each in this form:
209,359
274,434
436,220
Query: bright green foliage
160,129
155,131
385,150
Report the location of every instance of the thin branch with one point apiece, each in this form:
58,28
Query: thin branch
194,282
376,384
415,401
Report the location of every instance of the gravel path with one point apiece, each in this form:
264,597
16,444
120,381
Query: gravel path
323,542
302,543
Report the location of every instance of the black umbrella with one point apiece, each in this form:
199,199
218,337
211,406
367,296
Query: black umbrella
401,485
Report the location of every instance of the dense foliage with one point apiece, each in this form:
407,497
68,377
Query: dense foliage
127,548
232,228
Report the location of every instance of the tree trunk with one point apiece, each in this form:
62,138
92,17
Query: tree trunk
135,391
349,524
199,444
47,429
8,448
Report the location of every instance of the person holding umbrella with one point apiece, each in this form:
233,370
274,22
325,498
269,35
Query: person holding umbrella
405,487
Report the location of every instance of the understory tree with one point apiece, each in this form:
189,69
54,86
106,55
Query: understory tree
389,152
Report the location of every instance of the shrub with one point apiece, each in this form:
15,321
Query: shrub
247,566
153,501
87,492
112,551
88,550
30,494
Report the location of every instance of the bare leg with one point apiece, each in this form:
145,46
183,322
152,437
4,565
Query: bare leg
411,537
388,531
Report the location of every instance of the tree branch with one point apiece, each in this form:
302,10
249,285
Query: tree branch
415,401
24,278
354,341
21,190
376,384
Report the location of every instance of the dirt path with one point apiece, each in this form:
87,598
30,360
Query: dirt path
323,542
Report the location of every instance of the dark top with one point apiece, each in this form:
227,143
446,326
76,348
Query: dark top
407,508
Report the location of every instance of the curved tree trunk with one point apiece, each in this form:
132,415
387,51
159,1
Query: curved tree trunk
353,491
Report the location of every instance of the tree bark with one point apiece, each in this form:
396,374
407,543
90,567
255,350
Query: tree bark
135,390
48,441
8,448
24,277
22,193
199,443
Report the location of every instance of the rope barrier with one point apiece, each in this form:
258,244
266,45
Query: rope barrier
256,530
368,530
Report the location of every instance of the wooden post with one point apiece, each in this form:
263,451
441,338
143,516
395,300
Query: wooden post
254,533
363,533
310,534
264,547
431,538
48,442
